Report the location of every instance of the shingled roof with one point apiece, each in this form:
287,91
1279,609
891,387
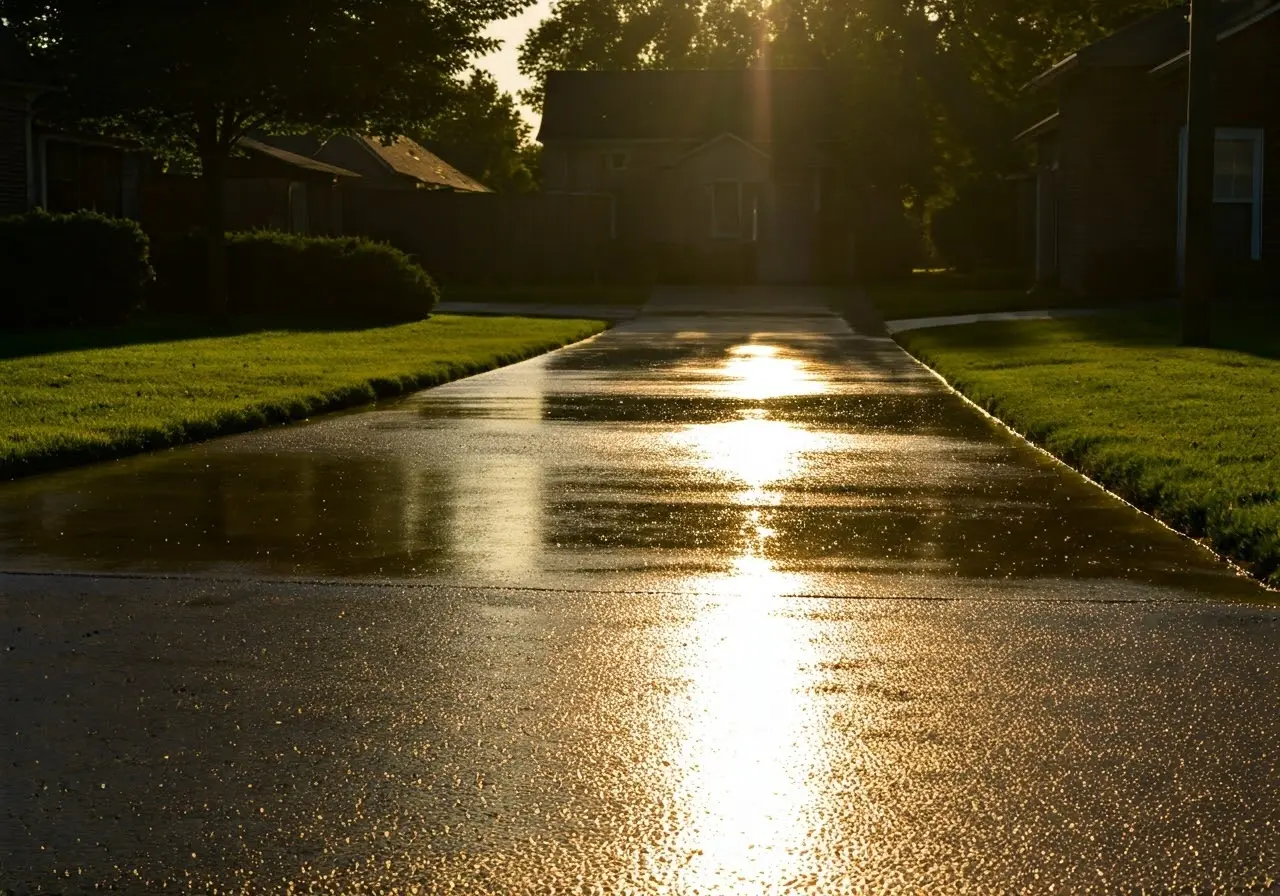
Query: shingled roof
407,157
775,105
293,159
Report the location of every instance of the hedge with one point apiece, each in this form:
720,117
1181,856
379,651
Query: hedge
276,273
80,269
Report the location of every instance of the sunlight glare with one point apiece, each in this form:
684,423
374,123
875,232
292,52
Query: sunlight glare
757,372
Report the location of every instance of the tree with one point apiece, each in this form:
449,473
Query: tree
929,89
642,34
193,78
482,133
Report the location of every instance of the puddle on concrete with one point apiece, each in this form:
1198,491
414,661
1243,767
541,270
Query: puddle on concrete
797,450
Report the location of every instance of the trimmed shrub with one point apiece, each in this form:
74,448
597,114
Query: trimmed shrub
324,278
79,269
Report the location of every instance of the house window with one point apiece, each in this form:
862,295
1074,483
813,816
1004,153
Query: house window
1237,193
613,161
726,209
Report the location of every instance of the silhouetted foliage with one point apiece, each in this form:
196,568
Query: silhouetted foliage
71,270
307,278
191,79
482,134
930,91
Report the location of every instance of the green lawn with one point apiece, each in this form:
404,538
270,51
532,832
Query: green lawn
612,296
77,396
939,293
1192,435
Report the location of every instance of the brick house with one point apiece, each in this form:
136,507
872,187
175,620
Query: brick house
1109,176
712,173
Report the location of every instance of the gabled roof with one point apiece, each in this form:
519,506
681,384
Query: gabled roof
1240,17
759,105
406,157
1156,42
1040,128
292,159
1142,43
726,136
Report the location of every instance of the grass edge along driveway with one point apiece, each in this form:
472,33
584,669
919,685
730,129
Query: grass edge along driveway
1189,435
64,407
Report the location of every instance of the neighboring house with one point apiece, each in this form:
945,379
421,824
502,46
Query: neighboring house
18,188
50,168
266,188
713,172
1110,173
401,165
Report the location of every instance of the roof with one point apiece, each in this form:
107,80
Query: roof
1156,41
1040,128
404,156
292,159
1238,19
1141,43
298,144
756,104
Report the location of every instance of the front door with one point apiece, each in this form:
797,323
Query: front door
786,248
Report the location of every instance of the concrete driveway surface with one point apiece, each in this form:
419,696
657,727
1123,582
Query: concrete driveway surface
730,599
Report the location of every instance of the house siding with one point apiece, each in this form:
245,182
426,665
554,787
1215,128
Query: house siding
1117,183
13,155
1117,202
1248,81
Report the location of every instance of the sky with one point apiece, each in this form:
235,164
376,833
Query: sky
503,63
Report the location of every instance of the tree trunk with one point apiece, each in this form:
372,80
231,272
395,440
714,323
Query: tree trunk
213,172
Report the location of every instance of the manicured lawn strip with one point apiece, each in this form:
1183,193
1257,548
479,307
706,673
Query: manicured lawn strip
612,296
59,408
1191,435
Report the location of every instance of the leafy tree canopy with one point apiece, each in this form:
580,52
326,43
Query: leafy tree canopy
193,77
930,88
482,133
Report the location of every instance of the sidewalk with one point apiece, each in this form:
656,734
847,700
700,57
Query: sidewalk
536,309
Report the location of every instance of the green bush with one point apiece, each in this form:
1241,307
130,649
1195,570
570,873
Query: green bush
331,278
71,270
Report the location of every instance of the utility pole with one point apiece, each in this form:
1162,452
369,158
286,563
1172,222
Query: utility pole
1197,260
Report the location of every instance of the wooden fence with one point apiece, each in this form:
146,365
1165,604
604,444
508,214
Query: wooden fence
491,237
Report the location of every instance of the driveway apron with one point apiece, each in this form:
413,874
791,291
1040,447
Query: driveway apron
731,598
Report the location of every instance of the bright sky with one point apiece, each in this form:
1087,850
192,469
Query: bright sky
503,63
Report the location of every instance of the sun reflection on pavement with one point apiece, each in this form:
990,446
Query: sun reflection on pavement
747,747
756,371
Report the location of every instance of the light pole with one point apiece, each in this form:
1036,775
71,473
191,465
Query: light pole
1197,261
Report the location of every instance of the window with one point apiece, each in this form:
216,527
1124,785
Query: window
1237,193
726,208
1234,169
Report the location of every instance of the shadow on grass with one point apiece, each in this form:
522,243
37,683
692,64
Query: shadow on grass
1251,328
155,330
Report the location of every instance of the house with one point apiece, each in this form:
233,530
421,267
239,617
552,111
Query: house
712,173
399,165
267,188
1111,155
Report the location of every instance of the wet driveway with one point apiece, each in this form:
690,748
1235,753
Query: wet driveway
730,599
